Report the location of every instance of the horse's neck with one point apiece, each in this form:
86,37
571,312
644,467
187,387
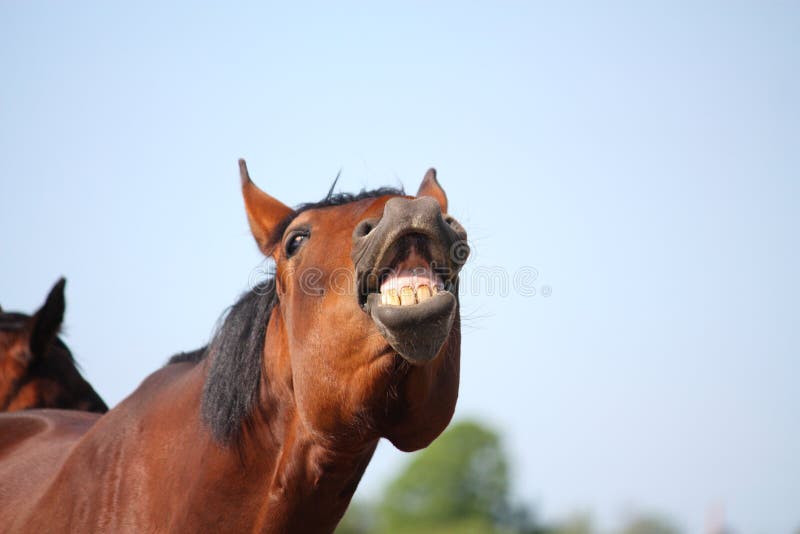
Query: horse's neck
277,478
297,485
310,485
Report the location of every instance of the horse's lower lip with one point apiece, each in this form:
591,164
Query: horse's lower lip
417,332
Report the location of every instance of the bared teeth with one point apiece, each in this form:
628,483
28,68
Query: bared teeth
409,288
392,298
407,296
423,293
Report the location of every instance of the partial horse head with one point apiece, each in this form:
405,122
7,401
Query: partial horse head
36,368
365,325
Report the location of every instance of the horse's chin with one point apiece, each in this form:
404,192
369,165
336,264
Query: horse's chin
417,331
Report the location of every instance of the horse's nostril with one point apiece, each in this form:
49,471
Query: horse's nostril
363,228
456,226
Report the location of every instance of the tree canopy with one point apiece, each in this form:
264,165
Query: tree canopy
462,476
460,485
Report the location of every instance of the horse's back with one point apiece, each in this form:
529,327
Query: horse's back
64,471
33,446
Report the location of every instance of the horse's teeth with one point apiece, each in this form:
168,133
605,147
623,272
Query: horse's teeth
392,298
407,296
423,293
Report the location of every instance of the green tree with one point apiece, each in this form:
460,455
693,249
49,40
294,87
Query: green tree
459,484
578,523
359,519
649,524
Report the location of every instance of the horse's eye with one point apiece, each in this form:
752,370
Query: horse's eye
293,243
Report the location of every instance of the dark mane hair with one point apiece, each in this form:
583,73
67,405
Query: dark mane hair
234,372
235,351
189,357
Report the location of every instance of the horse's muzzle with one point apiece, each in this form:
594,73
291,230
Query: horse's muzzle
407,264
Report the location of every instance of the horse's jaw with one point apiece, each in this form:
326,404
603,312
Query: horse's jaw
418,331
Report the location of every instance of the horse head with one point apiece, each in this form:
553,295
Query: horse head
25,340
365,330
36,368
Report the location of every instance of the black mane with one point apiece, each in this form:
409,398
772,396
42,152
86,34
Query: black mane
189,357
235,352
231,388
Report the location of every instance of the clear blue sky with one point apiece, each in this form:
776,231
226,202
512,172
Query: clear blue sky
643,157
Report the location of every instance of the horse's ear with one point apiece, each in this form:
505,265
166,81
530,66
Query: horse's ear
430,188
46,322
264,212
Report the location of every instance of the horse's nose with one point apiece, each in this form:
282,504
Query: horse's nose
423,214
422,211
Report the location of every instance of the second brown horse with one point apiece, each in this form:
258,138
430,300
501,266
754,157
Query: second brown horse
270,428
37,369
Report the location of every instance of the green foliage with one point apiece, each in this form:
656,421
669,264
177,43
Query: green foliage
473,525
359,519
461,479
580,523
460,485
648,524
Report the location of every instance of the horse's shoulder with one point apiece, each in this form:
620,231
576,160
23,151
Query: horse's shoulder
166,379
156,396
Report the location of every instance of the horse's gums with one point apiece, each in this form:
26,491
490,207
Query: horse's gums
308,404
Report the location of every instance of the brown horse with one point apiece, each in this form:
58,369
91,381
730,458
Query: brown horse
269,429
36,368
